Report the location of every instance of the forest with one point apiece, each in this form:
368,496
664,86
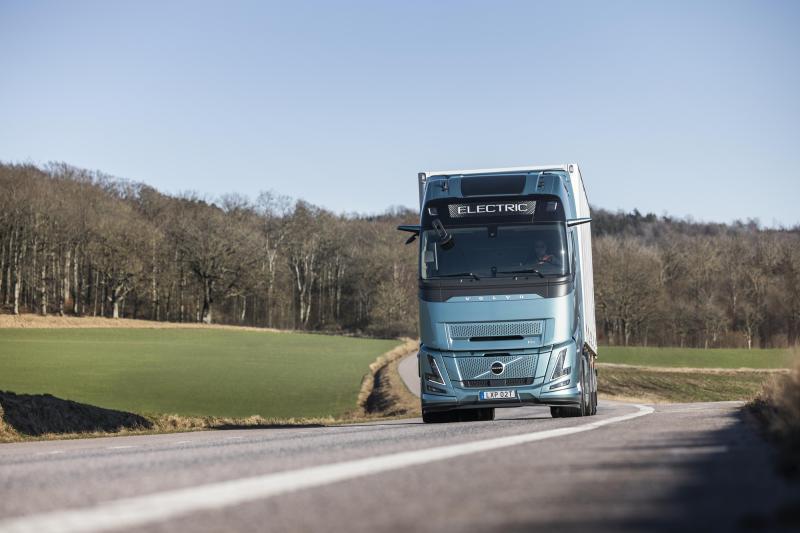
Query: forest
82,243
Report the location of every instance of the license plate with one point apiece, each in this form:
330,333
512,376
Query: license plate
497,394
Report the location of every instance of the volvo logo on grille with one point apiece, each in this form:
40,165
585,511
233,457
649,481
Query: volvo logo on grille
497,368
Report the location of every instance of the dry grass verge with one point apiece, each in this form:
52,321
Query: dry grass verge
383,392
45,417
7,434
57,322
777,408
174,424
692,370
146,424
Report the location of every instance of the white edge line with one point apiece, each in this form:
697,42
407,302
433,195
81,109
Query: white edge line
140,510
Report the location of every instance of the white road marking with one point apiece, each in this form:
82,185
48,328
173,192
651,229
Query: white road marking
140,510
182,442
233,438
120,447
50,453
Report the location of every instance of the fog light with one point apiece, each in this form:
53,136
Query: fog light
435,390
559,384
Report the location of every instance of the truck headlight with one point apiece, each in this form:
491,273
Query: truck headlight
434,376
560,369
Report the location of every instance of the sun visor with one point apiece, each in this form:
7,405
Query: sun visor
483,186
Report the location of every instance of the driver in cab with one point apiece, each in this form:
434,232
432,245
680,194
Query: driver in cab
543,257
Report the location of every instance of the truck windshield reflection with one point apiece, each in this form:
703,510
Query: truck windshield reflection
490,251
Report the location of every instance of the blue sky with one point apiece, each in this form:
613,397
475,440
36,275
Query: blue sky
685,108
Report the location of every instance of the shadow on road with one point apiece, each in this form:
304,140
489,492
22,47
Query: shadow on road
39,414
735,486
729,482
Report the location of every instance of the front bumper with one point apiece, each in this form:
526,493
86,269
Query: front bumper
455,395
526,396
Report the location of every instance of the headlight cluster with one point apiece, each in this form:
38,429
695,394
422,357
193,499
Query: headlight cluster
560,369
434,376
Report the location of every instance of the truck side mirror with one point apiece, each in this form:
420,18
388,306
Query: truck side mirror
413,230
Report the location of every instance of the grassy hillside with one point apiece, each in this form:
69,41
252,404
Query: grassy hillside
190,372
695,357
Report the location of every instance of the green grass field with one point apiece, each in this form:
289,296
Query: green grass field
696,358
193,372
670,386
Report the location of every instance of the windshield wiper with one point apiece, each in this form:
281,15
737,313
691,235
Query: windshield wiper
525,271
459,275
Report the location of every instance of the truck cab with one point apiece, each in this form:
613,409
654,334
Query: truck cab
506,303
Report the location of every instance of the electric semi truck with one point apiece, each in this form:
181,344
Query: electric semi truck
506,297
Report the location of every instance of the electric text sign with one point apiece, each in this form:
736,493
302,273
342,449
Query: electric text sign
500,208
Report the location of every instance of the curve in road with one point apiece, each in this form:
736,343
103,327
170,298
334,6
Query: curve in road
687,466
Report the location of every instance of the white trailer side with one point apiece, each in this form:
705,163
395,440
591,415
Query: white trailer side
585,247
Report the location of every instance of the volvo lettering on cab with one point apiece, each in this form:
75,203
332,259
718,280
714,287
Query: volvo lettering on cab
506,296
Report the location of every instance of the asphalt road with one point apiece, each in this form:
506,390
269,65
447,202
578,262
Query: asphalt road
697,467
409,371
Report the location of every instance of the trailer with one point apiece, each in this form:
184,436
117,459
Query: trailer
506,294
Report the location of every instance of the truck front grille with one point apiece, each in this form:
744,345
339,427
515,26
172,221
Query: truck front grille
480,368
511,382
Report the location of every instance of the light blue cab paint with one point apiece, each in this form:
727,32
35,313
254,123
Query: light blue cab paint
490,324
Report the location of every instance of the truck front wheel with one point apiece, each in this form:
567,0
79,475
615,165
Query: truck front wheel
467,415
439,417
585,407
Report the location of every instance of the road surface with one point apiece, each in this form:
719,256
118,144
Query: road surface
697,467
409,371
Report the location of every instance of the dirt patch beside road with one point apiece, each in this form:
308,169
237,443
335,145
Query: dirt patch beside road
383,392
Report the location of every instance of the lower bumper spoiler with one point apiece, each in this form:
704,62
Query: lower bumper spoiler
436,402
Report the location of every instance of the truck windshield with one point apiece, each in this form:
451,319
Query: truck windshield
494,251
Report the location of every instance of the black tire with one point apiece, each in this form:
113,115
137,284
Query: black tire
467,415
482,414
585,408
486,414
556,412
594,394
440,417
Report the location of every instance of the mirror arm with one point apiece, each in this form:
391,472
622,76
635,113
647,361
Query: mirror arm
577,221
413,230
409,228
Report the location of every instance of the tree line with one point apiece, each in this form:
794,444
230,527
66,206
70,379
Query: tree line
75,242
663,281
